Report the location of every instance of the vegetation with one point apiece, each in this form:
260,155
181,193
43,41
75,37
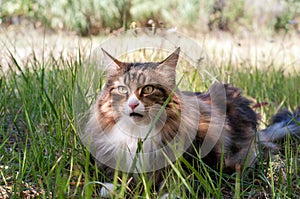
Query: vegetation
41,153
102,16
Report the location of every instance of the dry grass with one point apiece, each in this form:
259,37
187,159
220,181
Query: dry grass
280,51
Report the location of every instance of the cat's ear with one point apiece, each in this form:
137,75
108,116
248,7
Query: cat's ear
172,59
118,63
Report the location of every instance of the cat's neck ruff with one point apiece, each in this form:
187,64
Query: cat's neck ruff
126,133
121,143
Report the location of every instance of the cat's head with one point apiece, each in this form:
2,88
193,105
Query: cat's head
141,102
137,91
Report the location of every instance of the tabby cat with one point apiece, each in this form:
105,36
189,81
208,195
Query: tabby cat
140,111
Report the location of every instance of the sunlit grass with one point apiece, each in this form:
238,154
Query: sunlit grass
40,147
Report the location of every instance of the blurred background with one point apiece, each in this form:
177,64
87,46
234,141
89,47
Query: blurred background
92,17
254,32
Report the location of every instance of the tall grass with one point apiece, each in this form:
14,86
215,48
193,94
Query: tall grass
41,153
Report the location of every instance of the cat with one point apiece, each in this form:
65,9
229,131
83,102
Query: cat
140,110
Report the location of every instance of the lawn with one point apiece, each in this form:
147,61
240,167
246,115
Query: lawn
42,156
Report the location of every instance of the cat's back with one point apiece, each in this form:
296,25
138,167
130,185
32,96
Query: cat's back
225,102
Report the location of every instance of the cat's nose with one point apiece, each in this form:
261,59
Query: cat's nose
133,105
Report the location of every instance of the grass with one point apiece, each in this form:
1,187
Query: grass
41,154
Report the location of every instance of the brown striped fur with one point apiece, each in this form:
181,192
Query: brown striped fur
238,137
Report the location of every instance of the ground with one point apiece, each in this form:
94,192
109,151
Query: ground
259,50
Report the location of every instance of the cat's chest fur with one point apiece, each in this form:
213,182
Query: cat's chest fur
126,135
125,143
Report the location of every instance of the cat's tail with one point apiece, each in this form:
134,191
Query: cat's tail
282,124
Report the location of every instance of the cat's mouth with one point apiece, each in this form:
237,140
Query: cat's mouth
136,115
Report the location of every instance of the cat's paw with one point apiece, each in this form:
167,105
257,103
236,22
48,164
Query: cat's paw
169,196
106,190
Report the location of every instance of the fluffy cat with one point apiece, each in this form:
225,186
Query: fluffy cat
140,110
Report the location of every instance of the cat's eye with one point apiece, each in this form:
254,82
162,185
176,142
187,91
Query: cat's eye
147,89
122,90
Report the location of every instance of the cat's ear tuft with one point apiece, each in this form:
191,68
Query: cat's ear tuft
172,59
118,63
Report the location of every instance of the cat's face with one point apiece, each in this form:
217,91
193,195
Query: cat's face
137,101
140,102
137,91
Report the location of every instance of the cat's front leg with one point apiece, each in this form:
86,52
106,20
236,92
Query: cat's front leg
164,194
107,190
169,196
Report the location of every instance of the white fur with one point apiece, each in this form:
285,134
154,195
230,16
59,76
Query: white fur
122,142
125,132
134,100
106,190
169,196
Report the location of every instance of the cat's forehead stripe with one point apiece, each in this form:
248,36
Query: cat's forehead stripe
141,78
133,76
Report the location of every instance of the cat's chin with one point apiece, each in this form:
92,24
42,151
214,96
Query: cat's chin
139,121
137,115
